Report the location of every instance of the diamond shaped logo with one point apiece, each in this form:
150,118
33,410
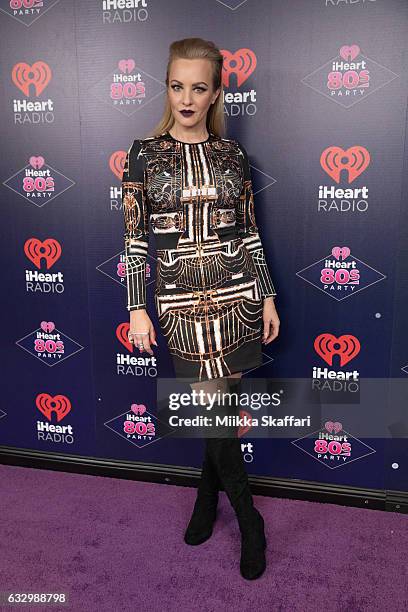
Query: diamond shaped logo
332,446
127,88
138,426
48,344
115,268
25,14
349,77
38,182
340,275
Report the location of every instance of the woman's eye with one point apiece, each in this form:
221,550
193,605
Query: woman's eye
196,88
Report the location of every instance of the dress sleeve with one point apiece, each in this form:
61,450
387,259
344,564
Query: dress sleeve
248,230
136,220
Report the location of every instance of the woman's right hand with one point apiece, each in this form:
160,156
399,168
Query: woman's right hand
140,322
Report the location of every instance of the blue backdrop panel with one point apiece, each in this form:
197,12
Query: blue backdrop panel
317,93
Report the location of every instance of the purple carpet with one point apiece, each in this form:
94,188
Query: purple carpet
117,545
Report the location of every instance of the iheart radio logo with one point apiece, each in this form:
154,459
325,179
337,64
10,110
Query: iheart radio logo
47,404
349,52
333,427
138,409
340,252
24,75
126,66
242,63
36,162
122,331
117,163
346,346
354,159
48,249
47,326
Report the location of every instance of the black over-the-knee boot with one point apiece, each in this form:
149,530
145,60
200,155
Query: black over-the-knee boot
227,457
204,513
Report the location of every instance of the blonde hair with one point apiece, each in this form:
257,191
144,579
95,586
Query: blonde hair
196,48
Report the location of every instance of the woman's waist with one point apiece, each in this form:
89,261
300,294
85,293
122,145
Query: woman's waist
202,248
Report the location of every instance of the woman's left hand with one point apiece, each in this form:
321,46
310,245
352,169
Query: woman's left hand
270,320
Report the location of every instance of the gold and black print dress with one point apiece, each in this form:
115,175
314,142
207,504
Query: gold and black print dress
211,275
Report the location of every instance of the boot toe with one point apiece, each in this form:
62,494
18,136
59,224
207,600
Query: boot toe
200,527
253,571
253,562
253,545
197,537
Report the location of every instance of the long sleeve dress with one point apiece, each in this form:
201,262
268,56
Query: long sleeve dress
211,275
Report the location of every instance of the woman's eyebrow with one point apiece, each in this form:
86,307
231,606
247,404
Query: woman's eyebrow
199,83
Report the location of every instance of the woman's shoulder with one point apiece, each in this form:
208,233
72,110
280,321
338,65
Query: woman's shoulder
142,146
148,139
154,144
165,143
226,145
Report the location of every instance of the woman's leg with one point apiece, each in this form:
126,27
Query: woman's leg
204,513
227,456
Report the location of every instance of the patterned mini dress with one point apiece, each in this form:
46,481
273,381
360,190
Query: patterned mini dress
211,274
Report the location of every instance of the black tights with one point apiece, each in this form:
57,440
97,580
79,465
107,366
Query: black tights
225,385
223,460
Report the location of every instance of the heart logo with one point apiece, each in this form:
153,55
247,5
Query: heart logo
349,52
122,331
47,404
340,252
117,163
126,66
346,346
36,162
24,75
333,427
47,326
138,409
48,249
242,63
354,159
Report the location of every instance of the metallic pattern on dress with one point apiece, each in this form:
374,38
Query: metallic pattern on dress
211,278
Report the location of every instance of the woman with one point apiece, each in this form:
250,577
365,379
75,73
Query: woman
214,295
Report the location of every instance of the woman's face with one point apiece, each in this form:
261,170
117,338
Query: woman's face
190,87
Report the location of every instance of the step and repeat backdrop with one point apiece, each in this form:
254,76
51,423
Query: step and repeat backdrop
316,90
